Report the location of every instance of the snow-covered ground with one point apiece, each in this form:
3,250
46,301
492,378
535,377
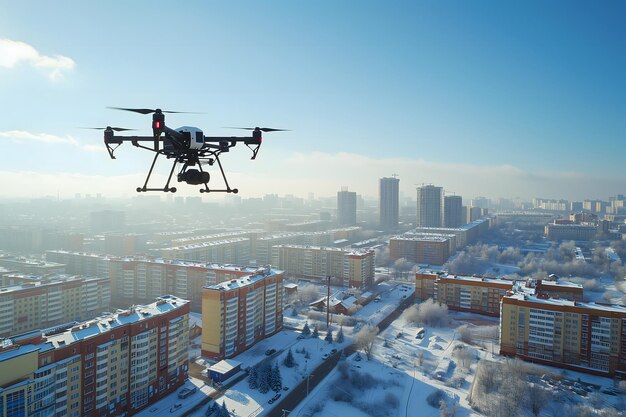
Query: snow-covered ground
414,368
166,406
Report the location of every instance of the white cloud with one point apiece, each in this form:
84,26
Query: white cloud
12,53
24,136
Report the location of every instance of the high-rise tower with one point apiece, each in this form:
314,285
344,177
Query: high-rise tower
389,203
429,202
346,208
453,211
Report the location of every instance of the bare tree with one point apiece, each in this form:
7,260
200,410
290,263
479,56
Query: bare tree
308,293
465,334
464,356
365,338
537,398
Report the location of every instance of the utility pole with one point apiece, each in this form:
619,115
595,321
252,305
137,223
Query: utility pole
307,383
328,302
285,412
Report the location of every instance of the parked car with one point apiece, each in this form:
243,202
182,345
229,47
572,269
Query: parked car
274,398
333,351
186,392
270,352
285,388
175,407
325,356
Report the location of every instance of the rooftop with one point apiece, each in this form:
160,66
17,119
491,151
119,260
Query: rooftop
258,275
39,281
613,308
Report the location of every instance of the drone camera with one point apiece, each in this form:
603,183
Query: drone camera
194,177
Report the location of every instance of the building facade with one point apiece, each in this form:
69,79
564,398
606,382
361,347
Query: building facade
389,203
429,206
238,313
112,366
482,295
41,302
586,337
234,250
346,208
453,211
137,280
432,250
557,232
354,267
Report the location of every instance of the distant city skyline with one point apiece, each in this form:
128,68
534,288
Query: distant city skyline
494,99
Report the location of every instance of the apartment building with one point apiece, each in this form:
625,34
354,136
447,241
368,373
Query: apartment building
234,250
238,313
586,337
114,365
465,235
354,267
557,232
482,295
433,249
80,263
31,266
263,248
50,300
137,280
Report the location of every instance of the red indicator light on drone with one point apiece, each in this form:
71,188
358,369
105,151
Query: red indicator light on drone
157,125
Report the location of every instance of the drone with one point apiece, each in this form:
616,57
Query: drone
186,146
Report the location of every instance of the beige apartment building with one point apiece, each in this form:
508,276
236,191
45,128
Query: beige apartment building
238,313
354,267
46,301
586,337
482,295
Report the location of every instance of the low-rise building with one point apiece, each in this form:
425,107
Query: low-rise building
555,231
432,250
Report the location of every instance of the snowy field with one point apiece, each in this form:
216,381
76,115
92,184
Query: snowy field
412,369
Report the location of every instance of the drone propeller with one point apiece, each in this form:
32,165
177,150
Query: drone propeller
117,129
262,129
148,111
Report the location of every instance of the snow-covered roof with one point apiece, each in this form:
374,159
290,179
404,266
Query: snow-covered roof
259,274
224,366
103,324
614,308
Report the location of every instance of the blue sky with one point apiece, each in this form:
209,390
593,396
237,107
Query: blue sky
483,97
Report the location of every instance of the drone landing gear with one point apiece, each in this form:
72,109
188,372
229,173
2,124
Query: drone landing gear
167,187
189,175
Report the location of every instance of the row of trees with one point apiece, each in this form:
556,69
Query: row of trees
265,377
306,331
559,259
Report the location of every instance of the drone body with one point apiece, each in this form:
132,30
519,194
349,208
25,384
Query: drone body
187,146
